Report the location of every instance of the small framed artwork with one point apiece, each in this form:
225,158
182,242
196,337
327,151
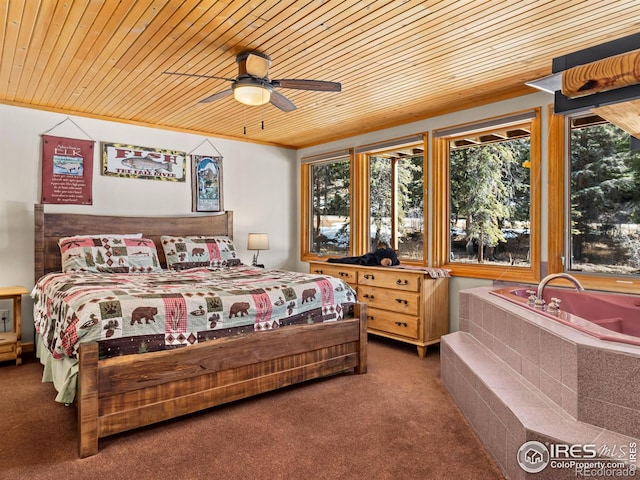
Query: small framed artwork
129,161
206,183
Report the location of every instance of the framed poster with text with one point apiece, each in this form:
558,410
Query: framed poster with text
129,161
206,183
67,170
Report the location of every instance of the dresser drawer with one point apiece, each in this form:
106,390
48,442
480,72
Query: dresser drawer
391,322
8,343
8,348
393,279
398,301
346,274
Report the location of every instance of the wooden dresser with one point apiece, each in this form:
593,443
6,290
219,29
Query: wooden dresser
406,305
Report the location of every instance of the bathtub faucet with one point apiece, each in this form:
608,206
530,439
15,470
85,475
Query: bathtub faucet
543,283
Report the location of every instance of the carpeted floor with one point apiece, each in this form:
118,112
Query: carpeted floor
395,422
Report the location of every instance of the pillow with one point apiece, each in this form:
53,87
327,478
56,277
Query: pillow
109,254
199,251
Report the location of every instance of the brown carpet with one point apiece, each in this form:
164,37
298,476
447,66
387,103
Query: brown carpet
396,422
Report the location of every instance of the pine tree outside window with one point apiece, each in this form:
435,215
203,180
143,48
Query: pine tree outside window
327,206
396,201
604,199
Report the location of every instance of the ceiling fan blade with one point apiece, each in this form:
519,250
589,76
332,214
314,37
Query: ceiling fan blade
282,102
217,96
318,85
200,76
257,65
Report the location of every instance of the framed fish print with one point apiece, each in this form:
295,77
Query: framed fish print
206,183
129,161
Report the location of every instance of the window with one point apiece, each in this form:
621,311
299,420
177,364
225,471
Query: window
396,201
601,204
327,223
594,179
351,202
487,201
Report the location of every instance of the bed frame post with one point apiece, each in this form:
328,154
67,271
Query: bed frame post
38,221
229,214
87,400
360,310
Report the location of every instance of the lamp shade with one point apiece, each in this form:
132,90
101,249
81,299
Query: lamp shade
252,94
258,241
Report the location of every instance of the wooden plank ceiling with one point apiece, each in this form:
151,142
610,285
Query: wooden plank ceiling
398,61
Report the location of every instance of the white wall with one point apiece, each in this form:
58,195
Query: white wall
259,185
457,118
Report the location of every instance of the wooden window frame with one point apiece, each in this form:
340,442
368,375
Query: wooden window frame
362,160
559,214
305,203
359,191
441,212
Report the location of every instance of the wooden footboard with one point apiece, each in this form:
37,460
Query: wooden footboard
123,393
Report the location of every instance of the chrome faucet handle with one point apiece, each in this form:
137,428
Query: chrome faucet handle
554,305
531,299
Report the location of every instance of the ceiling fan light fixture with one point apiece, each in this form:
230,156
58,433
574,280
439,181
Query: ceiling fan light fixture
253,87
252,94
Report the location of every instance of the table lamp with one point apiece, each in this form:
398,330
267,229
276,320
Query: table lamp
257,241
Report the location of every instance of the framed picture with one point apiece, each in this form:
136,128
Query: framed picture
206,183
67,170
129,161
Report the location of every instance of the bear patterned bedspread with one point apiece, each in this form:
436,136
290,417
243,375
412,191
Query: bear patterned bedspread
137,313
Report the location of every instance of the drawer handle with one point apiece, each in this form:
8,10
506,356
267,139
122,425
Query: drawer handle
400,300
344,274
370,317
369,277
402,324
318,272
366,295
402,282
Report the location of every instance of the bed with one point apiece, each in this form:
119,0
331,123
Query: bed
117,393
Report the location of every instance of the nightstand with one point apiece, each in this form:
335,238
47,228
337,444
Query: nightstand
10,342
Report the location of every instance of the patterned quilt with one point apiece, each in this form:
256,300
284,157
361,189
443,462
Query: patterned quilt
137,313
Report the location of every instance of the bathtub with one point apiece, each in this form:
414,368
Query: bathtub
607,316
520,373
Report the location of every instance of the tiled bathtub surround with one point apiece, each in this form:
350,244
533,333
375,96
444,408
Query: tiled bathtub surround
519,376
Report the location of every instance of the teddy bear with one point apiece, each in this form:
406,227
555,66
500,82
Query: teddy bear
383,256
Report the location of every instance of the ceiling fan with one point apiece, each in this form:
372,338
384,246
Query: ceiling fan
253,87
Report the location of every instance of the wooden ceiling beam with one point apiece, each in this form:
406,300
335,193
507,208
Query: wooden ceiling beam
602,75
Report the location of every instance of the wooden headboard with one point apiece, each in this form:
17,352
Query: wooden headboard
50,227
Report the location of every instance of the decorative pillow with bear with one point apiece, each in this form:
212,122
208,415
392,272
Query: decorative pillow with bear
109,254
198,251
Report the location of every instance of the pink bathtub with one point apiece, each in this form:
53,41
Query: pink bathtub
607,316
